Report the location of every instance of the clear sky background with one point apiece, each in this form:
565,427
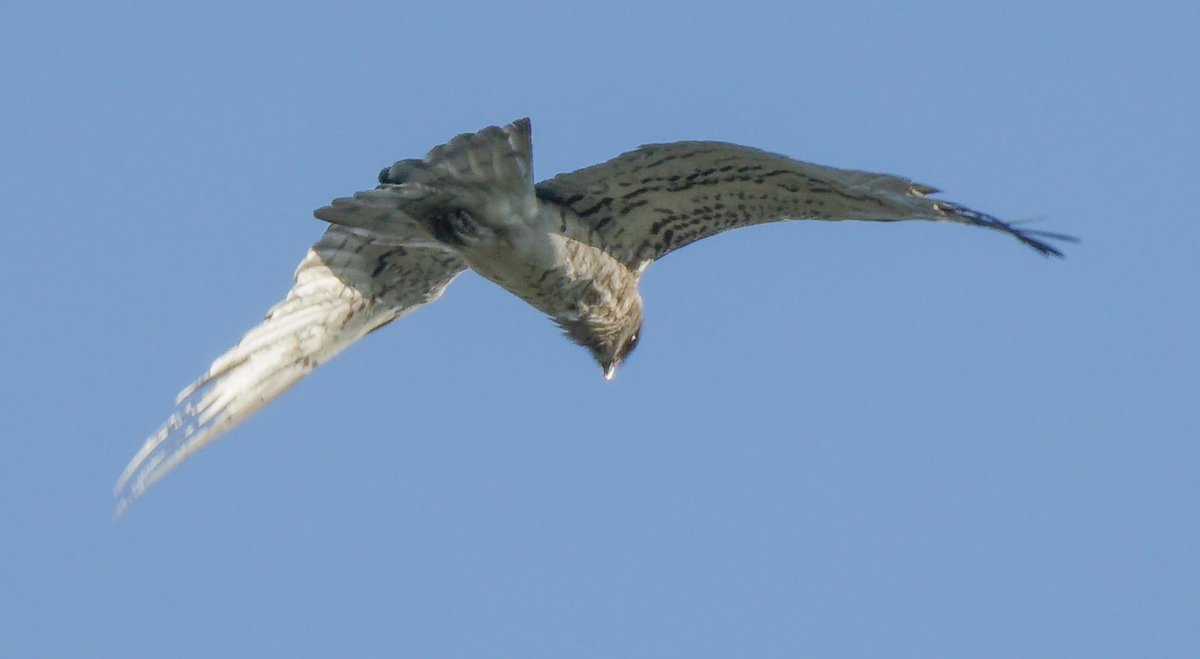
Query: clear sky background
835,439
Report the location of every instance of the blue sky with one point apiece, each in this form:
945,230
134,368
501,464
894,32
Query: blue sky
835,439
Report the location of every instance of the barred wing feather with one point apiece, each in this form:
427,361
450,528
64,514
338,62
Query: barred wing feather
346,286
658,198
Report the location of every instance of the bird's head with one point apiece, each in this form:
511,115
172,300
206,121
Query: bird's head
613,354
610,342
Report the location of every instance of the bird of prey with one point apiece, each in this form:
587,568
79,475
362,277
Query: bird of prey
574,247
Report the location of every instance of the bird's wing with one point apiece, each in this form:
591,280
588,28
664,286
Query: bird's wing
660,197
347,286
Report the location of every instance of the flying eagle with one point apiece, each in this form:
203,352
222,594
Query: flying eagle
574,247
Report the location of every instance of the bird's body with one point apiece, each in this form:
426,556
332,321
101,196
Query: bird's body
574,247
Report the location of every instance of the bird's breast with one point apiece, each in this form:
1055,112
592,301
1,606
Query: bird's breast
565,278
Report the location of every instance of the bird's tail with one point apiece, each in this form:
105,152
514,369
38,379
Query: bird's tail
488,173
498,157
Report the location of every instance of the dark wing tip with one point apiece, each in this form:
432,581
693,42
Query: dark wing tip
1032,237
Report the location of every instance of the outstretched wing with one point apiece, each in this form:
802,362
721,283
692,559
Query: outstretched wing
347,286
660,197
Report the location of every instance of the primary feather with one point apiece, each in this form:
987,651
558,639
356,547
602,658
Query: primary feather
346,287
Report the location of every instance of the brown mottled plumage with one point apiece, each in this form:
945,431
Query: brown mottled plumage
574,247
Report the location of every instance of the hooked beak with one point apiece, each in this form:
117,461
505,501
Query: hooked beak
610,371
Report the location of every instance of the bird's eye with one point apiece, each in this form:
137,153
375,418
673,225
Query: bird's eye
630,344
